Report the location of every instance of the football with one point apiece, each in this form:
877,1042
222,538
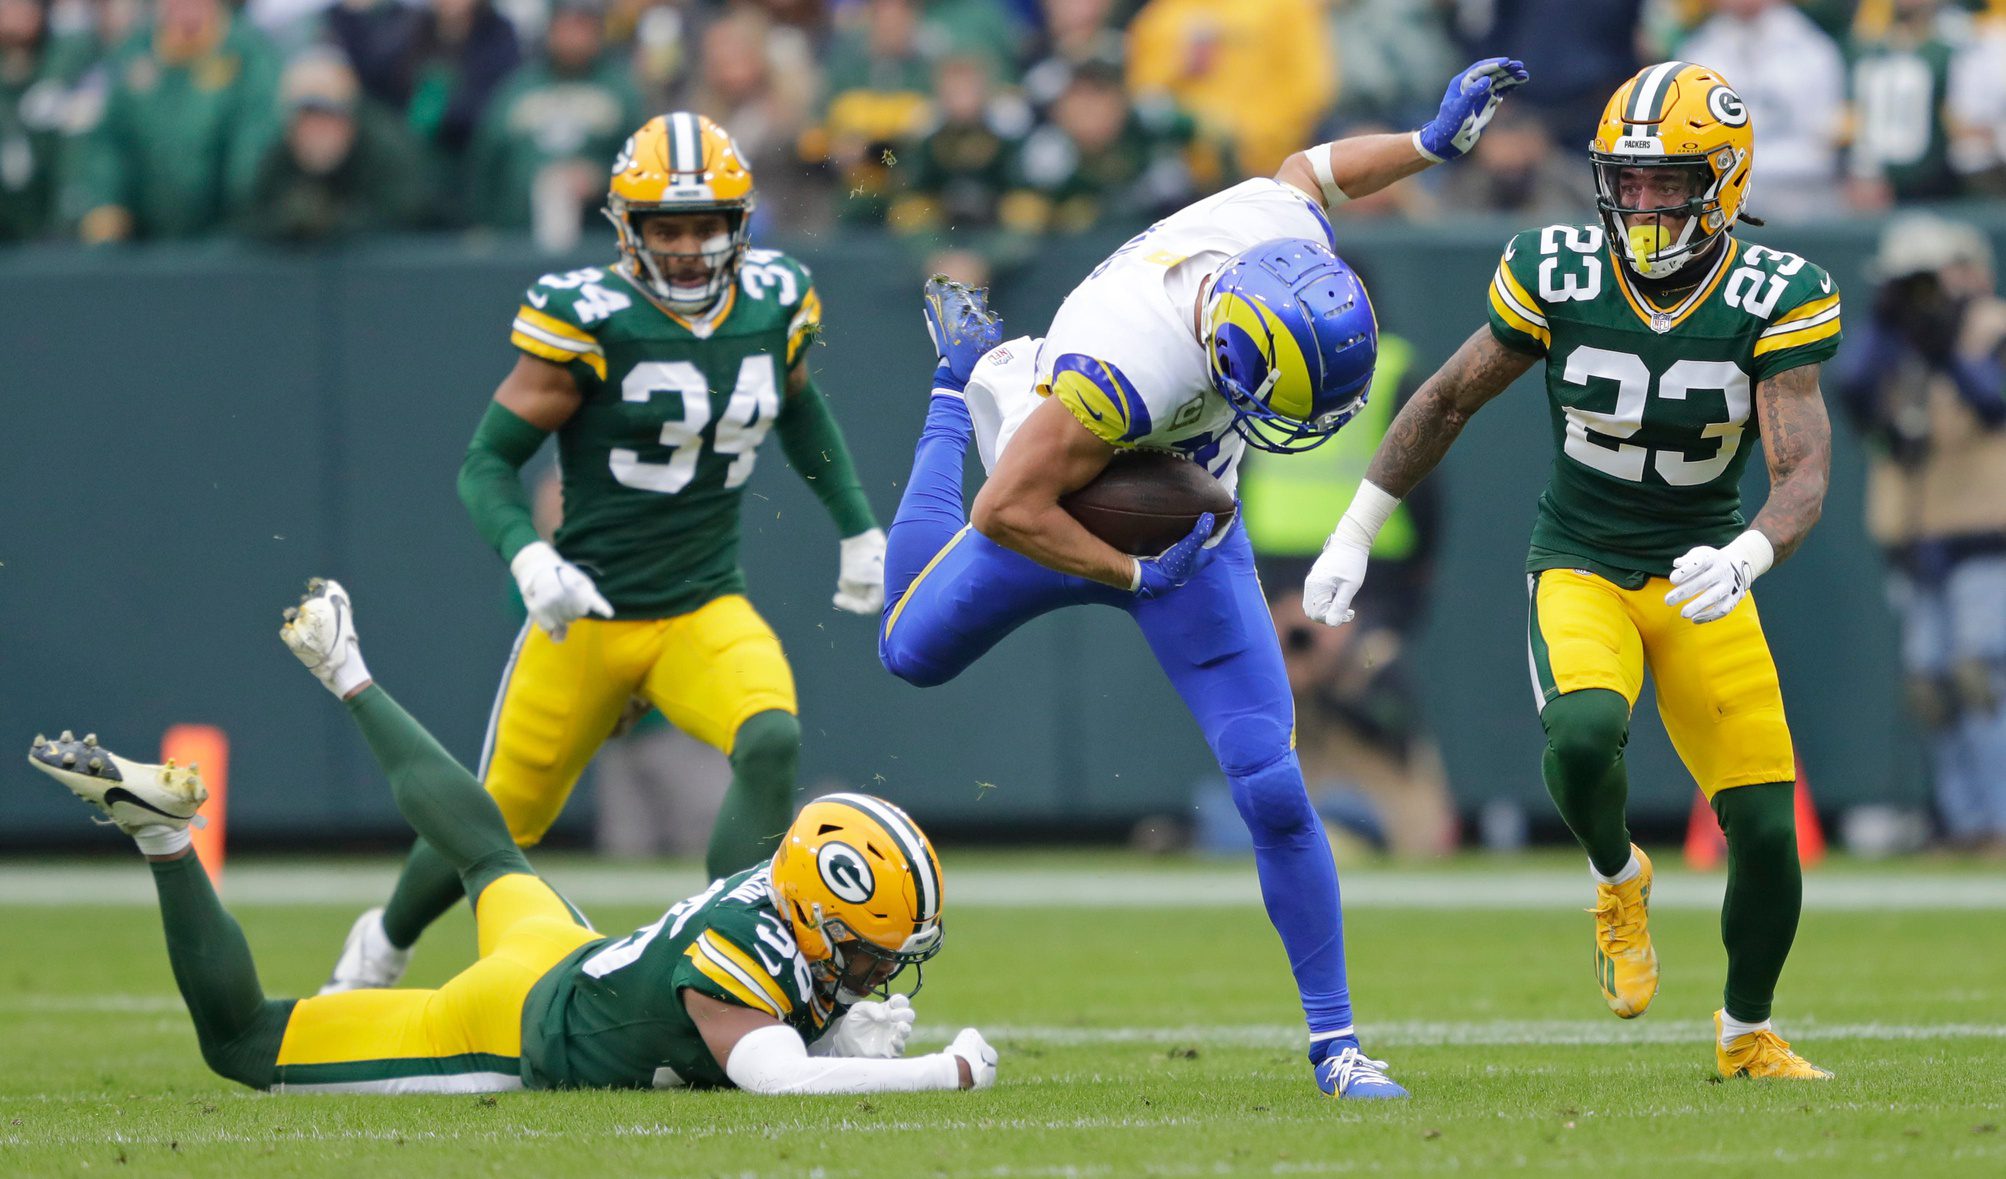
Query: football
1148,500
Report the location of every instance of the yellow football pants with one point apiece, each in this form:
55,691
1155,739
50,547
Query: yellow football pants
464,1037
1717,689
708,671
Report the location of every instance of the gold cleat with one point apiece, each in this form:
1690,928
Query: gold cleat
1626,965
1763,1056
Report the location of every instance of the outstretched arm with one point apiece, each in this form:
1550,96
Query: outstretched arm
1345,169
762,1055
1797,437
1422,433
1433,419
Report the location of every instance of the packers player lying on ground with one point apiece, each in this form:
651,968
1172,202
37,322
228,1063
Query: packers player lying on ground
760,981
1652,329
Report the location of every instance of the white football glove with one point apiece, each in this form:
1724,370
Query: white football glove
1340,569
860,583
1333,581
556,592
970,1046
1712,581
871,1029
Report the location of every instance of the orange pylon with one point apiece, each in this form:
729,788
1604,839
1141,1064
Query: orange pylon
208,747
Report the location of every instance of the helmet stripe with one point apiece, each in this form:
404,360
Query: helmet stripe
911,842
685,143
1647,100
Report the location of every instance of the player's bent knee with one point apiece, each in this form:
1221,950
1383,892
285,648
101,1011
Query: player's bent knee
769,741
1760,821
251,1056
1586,730
1272,800
900,659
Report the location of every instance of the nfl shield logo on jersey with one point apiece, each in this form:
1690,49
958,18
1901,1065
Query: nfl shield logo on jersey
1660,322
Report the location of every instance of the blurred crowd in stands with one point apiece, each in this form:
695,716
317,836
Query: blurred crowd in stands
1000,121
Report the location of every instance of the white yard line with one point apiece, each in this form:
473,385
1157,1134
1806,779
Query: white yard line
1198,886
1496,1032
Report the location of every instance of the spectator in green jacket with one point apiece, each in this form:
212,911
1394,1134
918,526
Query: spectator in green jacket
30,113
344,166
189,110
540,158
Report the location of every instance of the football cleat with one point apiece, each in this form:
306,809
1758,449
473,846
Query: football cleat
368,960
962,326
1763,1056
1626,964
1351,1074
132,795
321,631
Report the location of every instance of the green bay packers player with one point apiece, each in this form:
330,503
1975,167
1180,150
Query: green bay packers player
660,376
1668,345
762,981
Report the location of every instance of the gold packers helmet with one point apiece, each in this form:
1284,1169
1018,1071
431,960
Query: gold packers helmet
682,162
1672,158
859,883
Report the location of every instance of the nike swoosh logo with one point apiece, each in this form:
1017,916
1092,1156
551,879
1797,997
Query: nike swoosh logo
1827,284
537,299
118,794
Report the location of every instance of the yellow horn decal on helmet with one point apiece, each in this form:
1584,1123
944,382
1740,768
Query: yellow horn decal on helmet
1292,386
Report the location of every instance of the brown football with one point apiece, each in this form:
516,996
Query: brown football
1148,500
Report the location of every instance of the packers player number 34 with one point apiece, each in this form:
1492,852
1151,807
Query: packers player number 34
1668,345
659,375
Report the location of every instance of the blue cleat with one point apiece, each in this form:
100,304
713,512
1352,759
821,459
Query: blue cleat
963,329
1354,1076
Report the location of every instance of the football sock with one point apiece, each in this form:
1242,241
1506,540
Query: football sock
1765,892
1584,770
427,889
1630,872
238,1028
443,803
931,511
760,802
161,839
1299,888
1732,1029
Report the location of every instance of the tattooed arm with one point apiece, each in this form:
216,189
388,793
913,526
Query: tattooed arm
1480,370
1797,438
1419,437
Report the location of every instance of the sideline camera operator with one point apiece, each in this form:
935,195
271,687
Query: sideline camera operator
1926,388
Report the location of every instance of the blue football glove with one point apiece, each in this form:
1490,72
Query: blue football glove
1158,575
1467,108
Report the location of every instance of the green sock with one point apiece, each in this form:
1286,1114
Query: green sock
427,889
760,803
1586,731
238,1028
1765,892
443,803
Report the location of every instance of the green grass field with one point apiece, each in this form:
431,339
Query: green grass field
1146,1025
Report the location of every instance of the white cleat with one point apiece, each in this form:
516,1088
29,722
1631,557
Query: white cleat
321,631
368,961
132,795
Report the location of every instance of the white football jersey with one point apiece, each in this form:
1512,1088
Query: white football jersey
1122,353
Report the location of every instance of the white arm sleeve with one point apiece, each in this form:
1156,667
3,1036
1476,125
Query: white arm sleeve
775,1060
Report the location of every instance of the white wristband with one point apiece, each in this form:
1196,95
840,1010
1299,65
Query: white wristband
1754,548
1319,163
1423,152
1370,508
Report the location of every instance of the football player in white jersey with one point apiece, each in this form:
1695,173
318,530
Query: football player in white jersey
1228,324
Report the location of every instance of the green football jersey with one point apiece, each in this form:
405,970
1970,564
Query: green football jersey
610,1015
656,458
1652,406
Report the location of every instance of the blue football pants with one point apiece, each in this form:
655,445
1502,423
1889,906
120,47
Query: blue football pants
952,593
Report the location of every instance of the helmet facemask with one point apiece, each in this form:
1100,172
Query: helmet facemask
860,969
662,272
1662,212
1253,418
